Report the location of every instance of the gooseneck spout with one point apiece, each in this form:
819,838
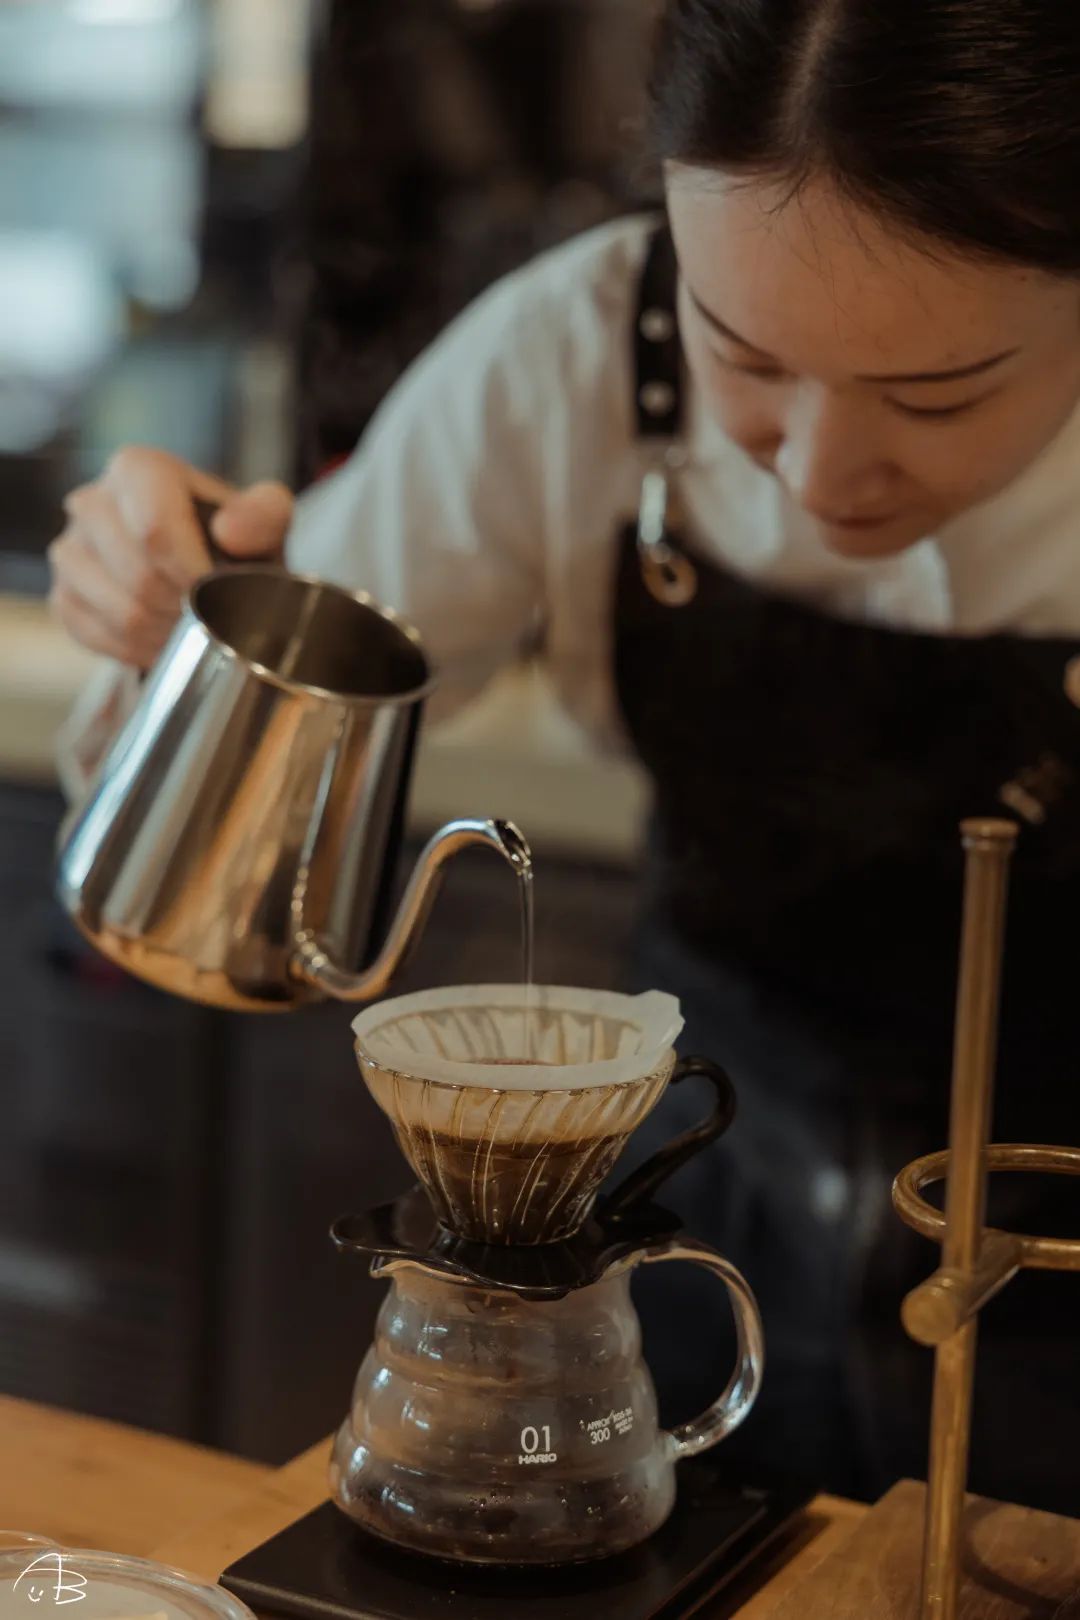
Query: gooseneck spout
311,962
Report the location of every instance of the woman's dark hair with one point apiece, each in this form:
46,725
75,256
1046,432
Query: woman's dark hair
958,119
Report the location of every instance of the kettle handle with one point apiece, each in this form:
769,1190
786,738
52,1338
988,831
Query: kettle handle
640,1185
204,516
733,1405
205,512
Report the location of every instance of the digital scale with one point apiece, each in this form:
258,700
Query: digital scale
323,1567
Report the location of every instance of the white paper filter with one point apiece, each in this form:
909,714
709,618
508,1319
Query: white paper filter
486,1035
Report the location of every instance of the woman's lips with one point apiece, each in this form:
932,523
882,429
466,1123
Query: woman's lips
859,522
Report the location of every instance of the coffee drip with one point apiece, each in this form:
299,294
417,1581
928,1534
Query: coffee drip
504,1413
511,1111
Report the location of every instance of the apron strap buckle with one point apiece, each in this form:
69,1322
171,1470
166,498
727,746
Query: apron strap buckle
669,576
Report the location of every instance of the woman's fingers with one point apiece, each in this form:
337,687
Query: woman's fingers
98,611
253,522
153,493
134,546
95,513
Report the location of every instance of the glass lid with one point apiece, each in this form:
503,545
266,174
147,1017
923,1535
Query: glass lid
38,1578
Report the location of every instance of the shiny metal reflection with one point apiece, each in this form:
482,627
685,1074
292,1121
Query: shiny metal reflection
239,844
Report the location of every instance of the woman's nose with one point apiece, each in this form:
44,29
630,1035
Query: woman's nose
827,459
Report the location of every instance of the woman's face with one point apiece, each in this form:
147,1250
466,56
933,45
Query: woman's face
887,389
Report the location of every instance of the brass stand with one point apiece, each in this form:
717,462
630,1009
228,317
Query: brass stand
976,1261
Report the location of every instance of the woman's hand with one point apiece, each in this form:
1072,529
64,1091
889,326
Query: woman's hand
133,547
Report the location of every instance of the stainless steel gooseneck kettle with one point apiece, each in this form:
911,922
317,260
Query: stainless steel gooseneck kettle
238,845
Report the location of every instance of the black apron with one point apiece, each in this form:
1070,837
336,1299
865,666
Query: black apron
803,895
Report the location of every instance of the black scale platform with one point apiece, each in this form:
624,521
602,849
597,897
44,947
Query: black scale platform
325,1568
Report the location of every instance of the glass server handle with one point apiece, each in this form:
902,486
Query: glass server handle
732,1406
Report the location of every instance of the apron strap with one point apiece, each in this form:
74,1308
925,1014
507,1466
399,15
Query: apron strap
658,399
658,406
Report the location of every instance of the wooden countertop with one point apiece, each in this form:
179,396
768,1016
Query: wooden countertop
87,1483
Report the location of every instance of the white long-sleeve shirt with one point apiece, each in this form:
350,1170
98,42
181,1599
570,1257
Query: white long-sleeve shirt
492,483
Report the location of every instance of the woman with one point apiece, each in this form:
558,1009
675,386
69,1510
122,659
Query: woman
802,519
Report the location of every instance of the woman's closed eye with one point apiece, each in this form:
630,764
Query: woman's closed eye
768,371
940,413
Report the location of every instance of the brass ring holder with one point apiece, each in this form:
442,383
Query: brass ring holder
1040,1253
977,1260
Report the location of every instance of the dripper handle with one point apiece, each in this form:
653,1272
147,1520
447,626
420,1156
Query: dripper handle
730,1408
642,1183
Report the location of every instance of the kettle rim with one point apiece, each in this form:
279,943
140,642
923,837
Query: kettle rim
364,599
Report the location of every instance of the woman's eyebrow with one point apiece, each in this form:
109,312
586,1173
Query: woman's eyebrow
721,326
976,369
954,374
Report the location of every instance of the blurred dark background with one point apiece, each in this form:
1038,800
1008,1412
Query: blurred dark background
225,228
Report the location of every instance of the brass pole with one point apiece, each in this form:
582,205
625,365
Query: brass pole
989,846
